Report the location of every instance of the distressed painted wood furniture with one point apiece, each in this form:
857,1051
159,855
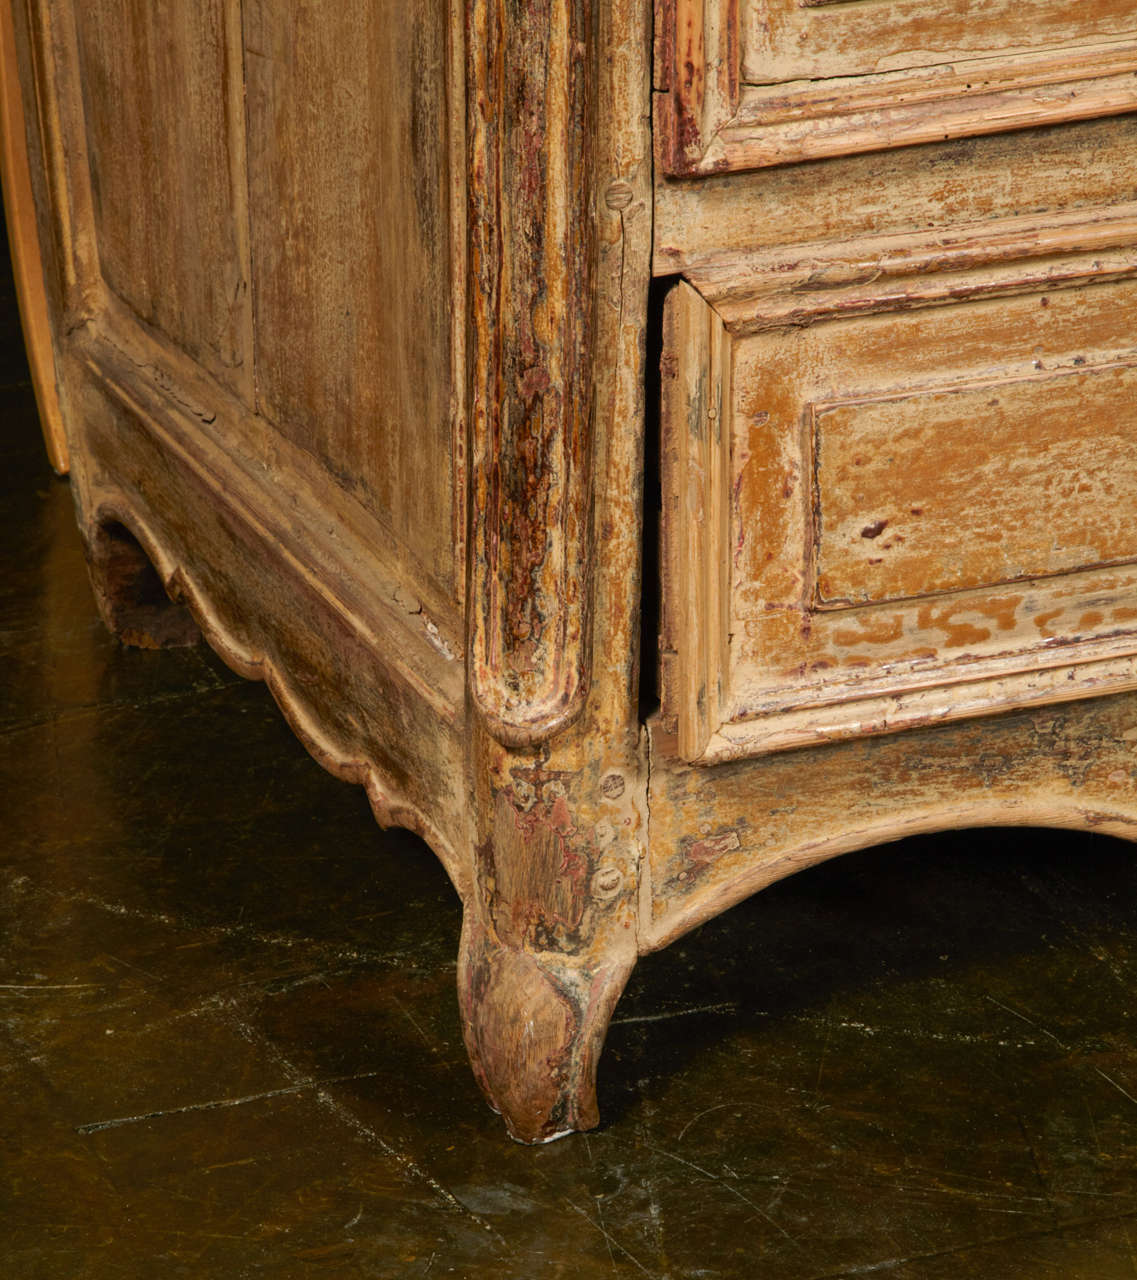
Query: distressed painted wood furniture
348,310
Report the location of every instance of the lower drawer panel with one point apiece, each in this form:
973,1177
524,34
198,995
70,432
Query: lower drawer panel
888,514
904,484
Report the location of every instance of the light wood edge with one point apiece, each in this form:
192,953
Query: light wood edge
695,403
532,254
23,241
62,170
708,122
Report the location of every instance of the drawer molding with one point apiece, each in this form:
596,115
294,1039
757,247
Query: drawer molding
806,283
757,655
709,121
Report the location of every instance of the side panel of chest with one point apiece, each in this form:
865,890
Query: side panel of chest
259,204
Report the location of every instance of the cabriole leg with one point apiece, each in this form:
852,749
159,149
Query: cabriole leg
548,942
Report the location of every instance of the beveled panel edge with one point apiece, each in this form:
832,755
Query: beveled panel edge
337,560
768,105
792,285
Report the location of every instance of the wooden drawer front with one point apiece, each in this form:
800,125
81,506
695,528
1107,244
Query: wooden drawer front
903,485
757,82
905,507
821,39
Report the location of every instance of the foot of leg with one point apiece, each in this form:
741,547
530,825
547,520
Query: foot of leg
534,1026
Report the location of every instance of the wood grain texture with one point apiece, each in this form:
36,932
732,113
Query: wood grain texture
767,82
532,87
164,128
23,243
350,206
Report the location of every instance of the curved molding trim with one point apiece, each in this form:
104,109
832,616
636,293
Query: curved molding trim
345,761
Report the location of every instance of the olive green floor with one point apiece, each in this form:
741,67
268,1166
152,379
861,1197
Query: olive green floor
230,1044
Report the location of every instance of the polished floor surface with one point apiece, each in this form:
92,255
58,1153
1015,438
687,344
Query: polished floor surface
230,1043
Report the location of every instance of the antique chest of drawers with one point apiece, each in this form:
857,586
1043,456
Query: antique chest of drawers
651,452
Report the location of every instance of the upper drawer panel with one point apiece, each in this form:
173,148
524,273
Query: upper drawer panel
820,39
750,83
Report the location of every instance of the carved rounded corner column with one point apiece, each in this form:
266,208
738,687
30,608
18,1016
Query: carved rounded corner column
550,925
531,73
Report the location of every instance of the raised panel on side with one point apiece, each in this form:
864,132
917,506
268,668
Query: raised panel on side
162,102
351,243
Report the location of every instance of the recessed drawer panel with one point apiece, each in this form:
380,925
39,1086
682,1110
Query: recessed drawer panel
814,39
899,479
749,83
897,493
